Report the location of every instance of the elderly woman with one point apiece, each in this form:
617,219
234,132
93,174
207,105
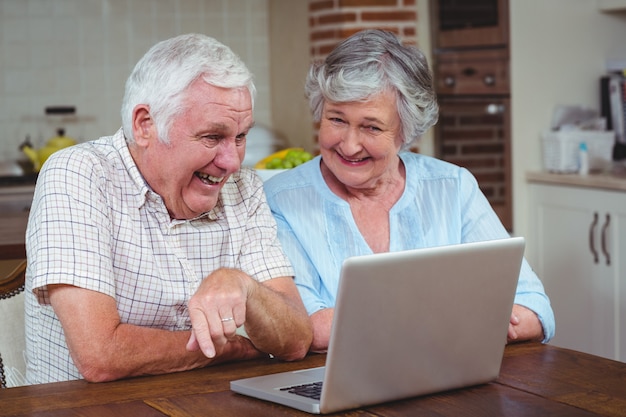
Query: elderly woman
373,97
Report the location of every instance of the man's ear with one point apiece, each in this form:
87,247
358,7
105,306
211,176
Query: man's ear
144,129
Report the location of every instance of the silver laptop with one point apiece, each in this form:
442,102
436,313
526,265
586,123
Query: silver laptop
406,324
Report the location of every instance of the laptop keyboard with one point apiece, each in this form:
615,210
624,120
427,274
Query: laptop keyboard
312,390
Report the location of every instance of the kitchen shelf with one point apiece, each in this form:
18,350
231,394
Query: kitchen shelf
59,118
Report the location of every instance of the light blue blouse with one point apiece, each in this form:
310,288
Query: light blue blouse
441,205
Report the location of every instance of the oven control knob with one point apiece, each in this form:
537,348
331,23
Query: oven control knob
489,80
449,81
494,108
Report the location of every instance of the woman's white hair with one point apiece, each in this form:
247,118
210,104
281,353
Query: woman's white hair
368,63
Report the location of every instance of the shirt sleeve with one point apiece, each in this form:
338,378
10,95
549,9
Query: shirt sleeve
481,223
307,279
68,236
262,255
301,221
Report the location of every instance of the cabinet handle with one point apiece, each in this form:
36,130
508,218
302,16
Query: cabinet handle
604,245
592,232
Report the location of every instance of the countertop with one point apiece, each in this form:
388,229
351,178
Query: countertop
605,181
15,201
12,234
17,180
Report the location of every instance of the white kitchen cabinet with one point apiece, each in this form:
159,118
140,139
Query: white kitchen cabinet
578,236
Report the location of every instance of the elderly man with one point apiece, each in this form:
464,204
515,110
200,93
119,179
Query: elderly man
148,249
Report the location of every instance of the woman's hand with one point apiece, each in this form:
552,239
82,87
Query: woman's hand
524,325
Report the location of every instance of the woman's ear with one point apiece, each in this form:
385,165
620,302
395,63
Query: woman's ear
144,129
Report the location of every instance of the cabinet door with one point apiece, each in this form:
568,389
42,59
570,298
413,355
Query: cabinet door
567,224
462,24
616,244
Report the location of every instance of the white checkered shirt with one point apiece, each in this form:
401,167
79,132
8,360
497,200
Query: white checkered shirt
96,224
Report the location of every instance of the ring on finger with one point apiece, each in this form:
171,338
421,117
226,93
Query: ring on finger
227,319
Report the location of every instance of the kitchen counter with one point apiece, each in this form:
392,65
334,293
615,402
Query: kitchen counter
606,181
12,234
12,229
15,202
17,180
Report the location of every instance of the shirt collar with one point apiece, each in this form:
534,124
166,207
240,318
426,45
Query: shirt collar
141,186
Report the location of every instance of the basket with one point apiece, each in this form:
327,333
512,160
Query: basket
560,150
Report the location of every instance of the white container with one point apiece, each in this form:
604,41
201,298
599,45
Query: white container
261,142
266,174
583,159
560,150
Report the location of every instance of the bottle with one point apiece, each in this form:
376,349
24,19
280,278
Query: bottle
583,159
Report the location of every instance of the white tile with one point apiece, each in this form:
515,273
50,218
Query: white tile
87,8
165,7
191,24
17,82
16,55
121,9
92,79
40,7
81,52
43,55
42,29
12,9
214,26
14,29
91,29
191,7
166,27
68,80
68,8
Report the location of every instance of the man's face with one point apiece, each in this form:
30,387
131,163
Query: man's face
207,144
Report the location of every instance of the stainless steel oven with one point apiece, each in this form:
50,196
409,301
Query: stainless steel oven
474,129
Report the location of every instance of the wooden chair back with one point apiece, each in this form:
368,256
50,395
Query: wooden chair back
12,276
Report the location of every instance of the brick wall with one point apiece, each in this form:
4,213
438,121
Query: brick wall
331,21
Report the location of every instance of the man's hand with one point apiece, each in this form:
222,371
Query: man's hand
104,349
275,318
217,309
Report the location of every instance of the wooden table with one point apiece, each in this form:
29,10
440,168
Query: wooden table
535,380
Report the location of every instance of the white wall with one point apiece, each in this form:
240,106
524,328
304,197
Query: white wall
559,50
80,52
290,59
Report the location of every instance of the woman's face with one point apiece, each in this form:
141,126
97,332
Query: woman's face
359,141
207,144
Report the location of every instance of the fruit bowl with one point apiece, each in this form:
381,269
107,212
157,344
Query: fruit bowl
281,161
284,159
